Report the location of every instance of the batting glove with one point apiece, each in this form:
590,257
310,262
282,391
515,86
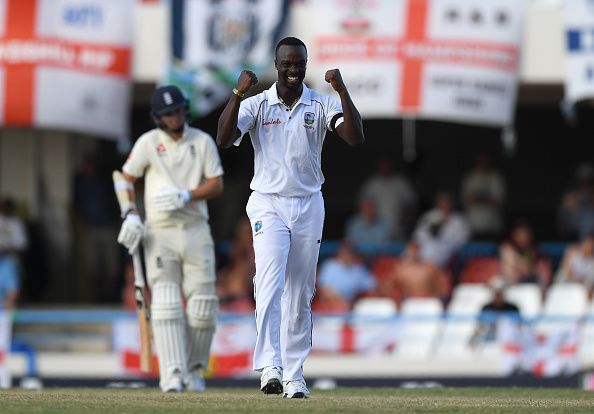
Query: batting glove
169,199
131,232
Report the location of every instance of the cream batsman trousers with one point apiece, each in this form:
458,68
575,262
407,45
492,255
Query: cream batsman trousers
183,255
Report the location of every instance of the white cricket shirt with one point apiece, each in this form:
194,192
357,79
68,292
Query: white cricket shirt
183,164
287,143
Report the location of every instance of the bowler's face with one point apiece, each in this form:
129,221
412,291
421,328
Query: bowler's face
291,63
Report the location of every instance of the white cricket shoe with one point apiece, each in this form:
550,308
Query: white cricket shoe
295,389
196,382
271,380
175,384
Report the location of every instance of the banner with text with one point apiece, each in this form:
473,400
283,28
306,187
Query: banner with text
455,60
579,35
213,41
65,64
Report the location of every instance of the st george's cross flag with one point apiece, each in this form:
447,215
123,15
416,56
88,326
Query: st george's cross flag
65,64
454,60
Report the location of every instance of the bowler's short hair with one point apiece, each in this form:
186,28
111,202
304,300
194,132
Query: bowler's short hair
289,41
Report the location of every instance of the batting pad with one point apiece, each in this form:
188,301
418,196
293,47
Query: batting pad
169,330
202,313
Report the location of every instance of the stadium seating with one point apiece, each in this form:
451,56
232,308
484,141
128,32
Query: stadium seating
461,320
374,320
527,297
420,322
469,298
382,266
480,269
372,307
587,337
565,304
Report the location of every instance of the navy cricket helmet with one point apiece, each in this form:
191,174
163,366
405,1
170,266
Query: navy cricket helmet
167,99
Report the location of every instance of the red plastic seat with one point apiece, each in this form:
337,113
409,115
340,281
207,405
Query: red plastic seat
480,270
382,266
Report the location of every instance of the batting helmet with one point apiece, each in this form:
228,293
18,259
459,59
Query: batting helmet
167,99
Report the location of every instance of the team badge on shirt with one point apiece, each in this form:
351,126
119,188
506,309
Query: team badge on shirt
258,226
309,118
161,150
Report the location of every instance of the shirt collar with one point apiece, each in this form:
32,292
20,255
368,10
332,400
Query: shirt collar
168,138
272,95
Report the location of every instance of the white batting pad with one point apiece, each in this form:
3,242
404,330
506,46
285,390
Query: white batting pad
202,314
169,330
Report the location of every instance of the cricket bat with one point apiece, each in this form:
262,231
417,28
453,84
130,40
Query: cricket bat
121,186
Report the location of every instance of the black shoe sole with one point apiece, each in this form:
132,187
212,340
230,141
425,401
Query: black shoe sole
273,386
296,395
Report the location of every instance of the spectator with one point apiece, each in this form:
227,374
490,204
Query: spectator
234,280
342,279
441,231
520,260
366,226
576,214
413,277
393,197
97,216
483,193
493,311
13,241
577,264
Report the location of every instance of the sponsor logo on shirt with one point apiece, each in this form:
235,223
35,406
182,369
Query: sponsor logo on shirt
309,118
276,121
258,227
193,152
161,150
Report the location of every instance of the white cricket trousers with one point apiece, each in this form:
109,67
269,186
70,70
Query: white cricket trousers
287,232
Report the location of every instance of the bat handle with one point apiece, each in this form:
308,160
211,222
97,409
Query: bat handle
138,271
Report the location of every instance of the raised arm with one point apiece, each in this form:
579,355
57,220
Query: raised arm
351,130
227,131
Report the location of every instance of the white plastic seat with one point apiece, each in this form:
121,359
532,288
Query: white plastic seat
564,304
527,297
372,307
421,319
374,320
587,338
469,298
461,319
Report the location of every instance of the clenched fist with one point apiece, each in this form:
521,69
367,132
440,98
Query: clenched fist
246,80
334,78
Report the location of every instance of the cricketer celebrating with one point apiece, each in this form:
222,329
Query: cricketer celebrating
287,125
182,170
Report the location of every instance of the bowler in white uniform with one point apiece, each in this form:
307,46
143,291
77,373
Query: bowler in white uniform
287,125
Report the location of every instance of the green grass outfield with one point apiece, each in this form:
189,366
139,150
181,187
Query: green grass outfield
343,400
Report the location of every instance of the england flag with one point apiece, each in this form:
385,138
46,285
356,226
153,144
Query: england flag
65,64
454,60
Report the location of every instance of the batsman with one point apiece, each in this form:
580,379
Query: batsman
181,169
